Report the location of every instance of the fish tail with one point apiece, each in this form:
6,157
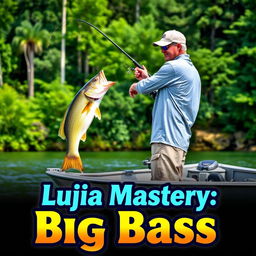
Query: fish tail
72,162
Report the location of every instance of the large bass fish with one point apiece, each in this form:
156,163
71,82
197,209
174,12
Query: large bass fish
79,116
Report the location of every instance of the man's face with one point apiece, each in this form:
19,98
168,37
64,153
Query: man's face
172,52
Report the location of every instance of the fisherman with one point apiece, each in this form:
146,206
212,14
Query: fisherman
178,88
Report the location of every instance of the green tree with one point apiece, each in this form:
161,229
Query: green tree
243,96
7,10
207,21
80,36
30,40
5,61
63,42
130,10
50,105
218,78
47,68
20,128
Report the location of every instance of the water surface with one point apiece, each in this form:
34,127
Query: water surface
22,172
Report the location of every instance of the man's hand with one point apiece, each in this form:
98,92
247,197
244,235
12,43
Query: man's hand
133,91
141,73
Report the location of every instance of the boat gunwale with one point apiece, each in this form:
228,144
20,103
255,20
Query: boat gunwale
99,177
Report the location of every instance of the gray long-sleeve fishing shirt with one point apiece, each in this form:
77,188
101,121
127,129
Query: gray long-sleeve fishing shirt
177,101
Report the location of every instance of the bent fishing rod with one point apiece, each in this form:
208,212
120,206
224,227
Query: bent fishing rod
117,46
137,64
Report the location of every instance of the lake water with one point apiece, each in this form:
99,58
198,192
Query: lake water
22,172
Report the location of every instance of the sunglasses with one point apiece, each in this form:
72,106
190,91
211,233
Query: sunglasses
165,48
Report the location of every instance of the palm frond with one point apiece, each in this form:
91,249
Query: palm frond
33,35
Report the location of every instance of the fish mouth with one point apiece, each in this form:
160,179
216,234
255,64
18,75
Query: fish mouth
97,92
104,80
91,98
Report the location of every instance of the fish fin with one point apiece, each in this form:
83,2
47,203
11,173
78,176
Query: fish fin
97,113
61,132
72,162
83,138
87,107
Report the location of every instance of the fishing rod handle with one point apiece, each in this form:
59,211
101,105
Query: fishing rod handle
154,93
141,67
137,64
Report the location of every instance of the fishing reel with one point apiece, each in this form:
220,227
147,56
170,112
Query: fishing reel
152,94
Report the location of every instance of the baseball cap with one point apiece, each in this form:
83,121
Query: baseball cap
171,36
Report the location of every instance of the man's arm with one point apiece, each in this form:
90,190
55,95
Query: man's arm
159,80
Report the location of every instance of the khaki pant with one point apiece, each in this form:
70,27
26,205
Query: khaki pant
167,162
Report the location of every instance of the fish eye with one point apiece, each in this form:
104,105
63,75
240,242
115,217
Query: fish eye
95,79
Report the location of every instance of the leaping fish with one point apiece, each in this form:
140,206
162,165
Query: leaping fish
79,116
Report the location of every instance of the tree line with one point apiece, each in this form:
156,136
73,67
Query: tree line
37,36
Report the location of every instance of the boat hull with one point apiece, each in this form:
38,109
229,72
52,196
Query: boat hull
239,186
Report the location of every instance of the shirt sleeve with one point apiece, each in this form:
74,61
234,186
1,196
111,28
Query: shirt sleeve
159,80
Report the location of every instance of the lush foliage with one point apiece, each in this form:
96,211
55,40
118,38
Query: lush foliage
221,41
20,128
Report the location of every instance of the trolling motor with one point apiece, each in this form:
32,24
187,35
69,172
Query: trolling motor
207,170
137,64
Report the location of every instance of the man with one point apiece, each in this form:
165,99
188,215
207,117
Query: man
175,108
